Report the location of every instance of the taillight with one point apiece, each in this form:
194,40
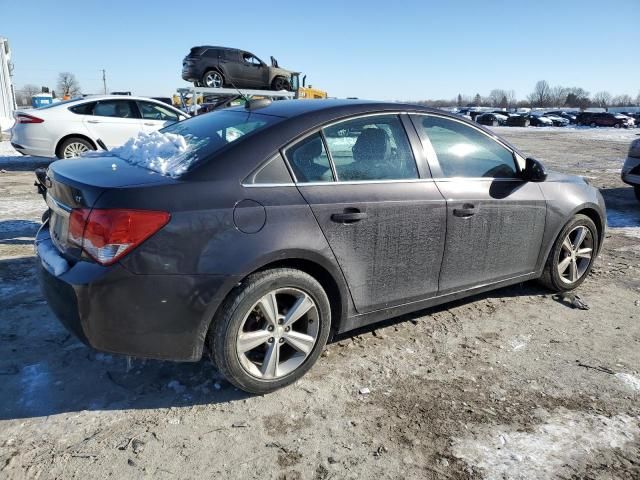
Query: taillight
24,118
106,235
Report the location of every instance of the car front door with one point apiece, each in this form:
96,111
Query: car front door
381,214
114,122
495,220
155,117
254,71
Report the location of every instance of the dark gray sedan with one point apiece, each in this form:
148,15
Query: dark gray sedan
258,232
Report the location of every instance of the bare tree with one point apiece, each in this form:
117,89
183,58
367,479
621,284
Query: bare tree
25,93
622,101
602,99
541,95
558,95
638,100
495,96
511,98
68,84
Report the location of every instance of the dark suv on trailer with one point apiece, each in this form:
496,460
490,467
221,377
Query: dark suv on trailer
218,67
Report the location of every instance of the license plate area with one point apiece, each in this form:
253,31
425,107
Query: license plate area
58,222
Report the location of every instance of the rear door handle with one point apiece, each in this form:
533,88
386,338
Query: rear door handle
350,215
149,124
467,210
93,121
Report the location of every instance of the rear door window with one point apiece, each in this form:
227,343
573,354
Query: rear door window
116,108
371,148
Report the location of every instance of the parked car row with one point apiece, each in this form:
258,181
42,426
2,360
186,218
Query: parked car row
556,118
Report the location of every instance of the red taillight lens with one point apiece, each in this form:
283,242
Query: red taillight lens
108,234
24,118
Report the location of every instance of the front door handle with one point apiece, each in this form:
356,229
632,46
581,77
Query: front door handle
149,124
467,210
350,215
93,121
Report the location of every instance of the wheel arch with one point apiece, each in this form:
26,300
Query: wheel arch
73,135
595,217
214,68
328,277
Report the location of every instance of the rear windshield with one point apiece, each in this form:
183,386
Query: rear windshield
177,148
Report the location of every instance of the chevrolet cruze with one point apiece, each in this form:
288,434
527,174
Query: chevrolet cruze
277,225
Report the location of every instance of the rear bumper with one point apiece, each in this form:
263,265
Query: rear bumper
191,73
152,316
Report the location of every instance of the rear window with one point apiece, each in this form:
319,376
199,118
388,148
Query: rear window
175,149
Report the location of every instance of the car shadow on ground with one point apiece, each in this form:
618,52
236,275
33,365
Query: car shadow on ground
45,371
623,208
24,164
18,232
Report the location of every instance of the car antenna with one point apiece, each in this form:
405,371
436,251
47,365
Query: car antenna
242,95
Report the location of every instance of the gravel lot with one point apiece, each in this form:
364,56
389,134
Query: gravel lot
510,384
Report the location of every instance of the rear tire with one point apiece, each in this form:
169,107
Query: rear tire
213,79
636,190
527,123
566,255
260,352
593,125
280,83
74,147
494,123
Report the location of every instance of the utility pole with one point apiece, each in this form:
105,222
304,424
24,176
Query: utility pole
104,80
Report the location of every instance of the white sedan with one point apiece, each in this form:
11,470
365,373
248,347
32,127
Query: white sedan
68,129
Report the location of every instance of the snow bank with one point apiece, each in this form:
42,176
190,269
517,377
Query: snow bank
629,380
606,133
554,449
52,259
160,152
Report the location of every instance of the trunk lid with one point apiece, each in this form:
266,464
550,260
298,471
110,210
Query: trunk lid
76,184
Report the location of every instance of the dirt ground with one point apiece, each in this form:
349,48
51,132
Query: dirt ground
510,384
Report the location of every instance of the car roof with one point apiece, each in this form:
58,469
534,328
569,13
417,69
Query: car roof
338,107
116,97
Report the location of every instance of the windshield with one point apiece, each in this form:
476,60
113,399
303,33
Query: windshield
175,149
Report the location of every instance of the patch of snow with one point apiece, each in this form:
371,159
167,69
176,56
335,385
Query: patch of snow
29,207
627,223
160,152
35,380
613,134
631,381
176,386
51,258
554,449
520,342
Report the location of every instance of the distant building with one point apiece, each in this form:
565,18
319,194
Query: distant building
7,94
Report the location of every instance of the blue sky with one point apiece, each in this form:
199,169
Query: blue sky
368,49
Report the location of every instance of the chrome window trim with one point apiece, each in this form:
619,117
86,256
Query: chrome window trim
367,182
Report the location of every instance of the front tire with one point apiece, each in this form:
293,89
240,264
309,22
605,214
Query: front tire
74,147
270,330
572,255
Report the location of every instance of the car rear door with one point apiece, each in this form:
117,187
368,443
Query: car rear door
254,72
381,214
495,220
114,121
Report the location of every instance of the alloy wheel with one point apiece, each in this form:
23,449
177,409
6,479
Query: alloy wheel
74,149
213,80
278,334
575,254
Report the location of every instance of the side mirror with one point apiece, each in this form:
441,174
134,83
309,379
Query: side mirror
534,171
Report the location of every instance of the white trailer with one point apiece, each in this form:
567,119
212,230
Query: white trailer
222,97
7,94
